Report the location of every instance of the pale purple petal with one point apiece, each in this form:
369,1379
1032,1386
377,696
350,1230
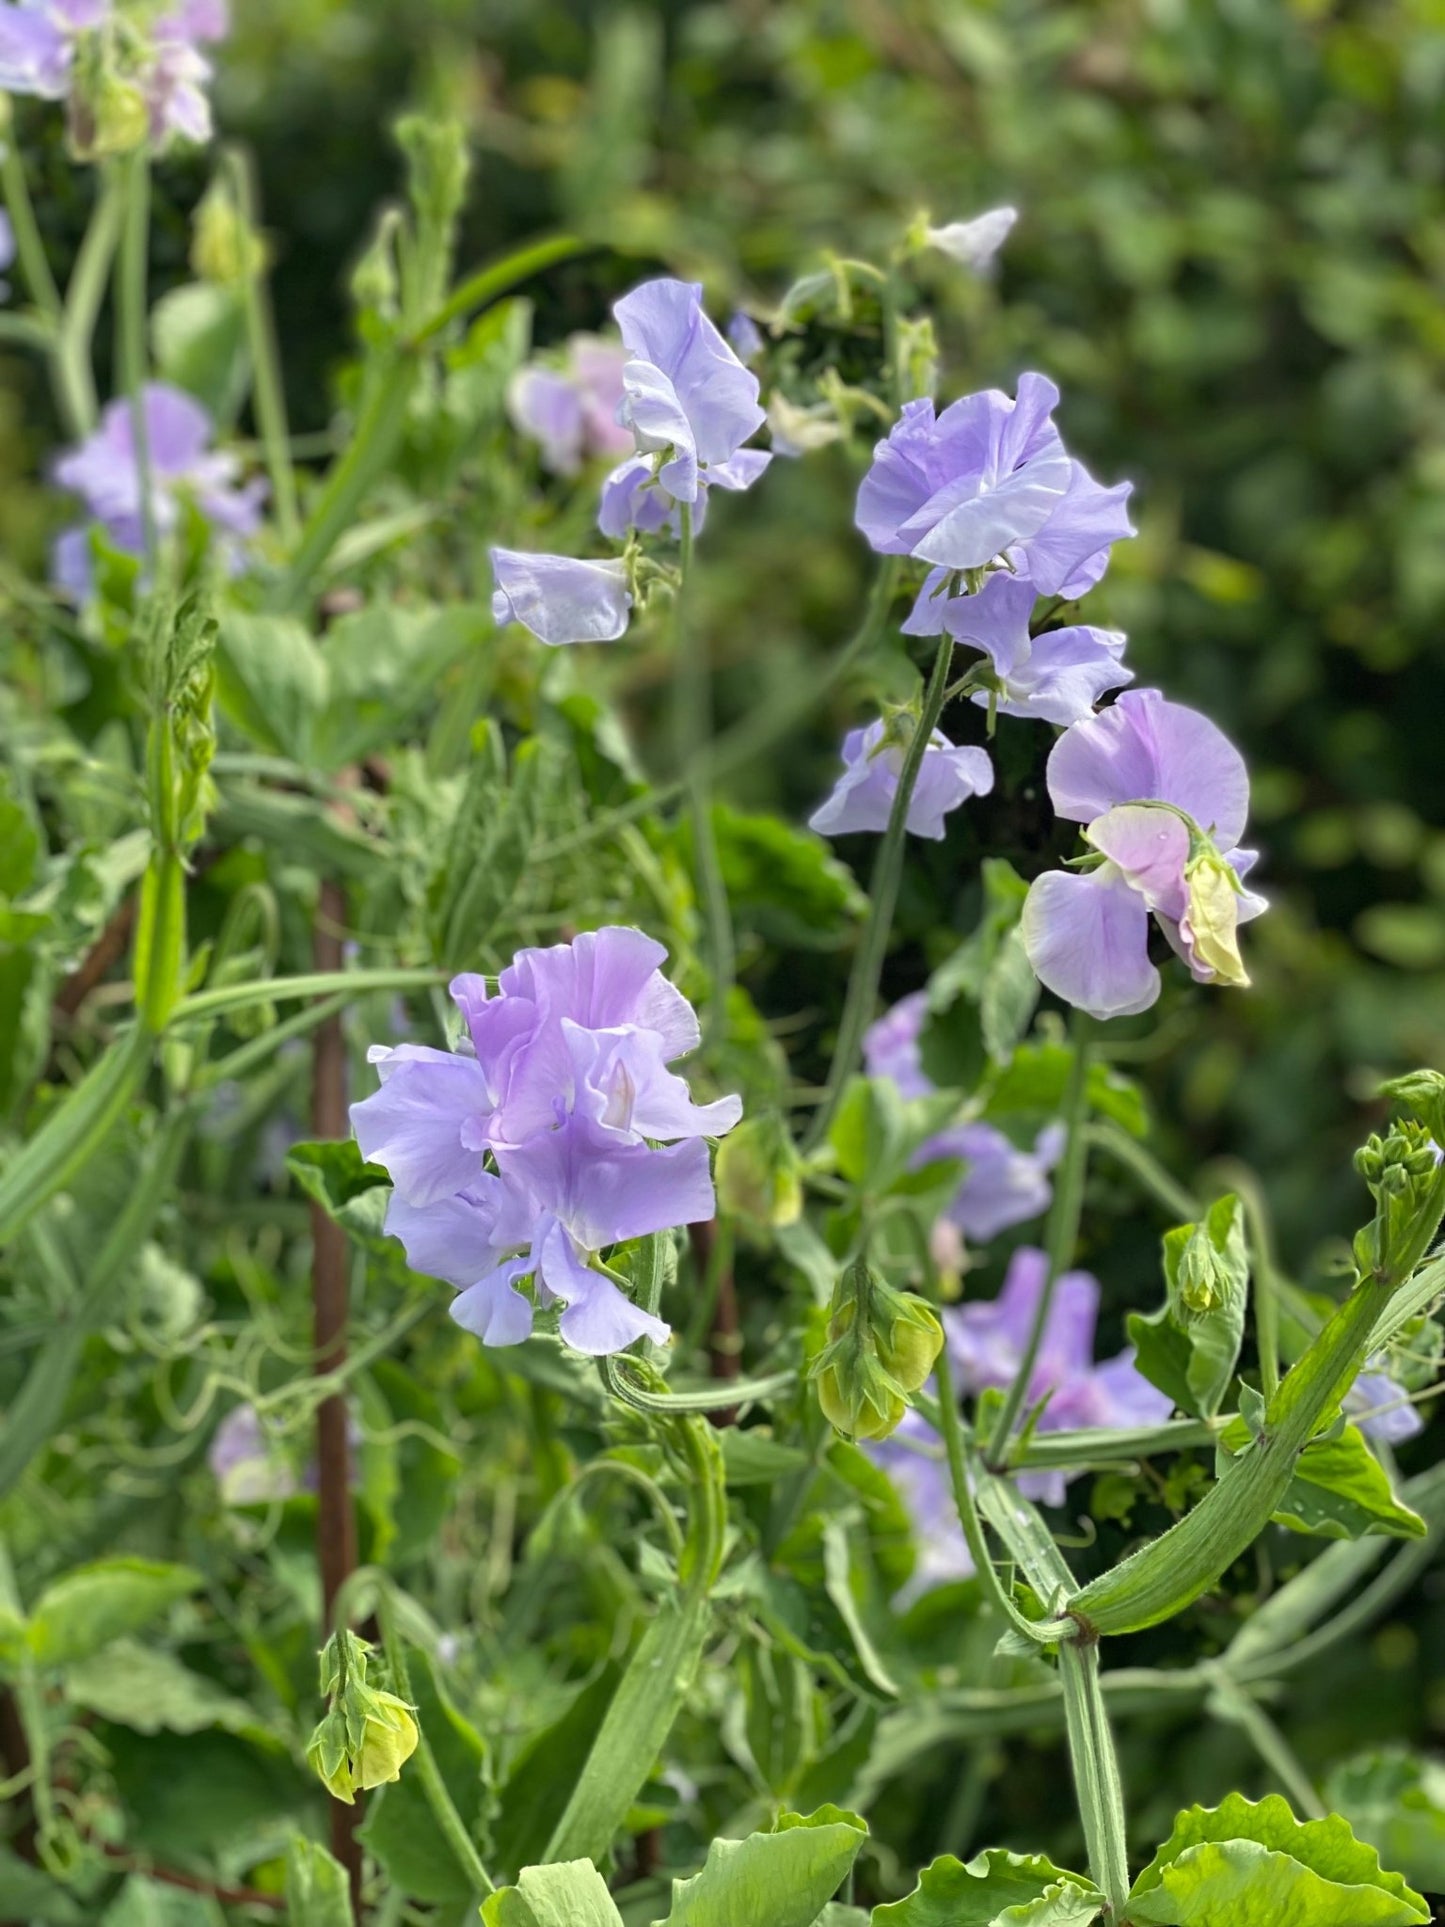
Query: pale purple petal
633,498
862,798
599,1318
740,471
1144,747
1381,1408
974,243
891,1046
1065,674
620,1081
971,522
1070,552
1121,1396
559,598
1087,939
1151,847
35,53
653,410
899,481
493,1309
459,1239
605,1192
596,366
426,1124
546,407
663,324
1002,1185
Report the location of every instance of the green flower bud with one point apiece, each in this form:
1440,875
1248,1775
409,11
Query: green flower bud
367,1735
225,248
110,120
758,1173
883,1344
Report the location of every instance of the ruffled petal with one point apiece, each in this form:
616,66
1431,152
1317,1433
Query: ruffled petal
1087,939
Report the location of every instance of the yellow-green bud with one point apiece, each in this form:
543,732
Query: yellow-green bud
225,248
758,1173
347,1761
882,1346
1214,917
112,120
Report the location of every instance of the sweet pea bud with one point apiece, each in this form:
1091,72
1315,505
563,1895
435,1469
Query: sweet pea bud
882,1346
1424,1093
1213,916
225,248
758,1172
108,118
1202,1280
367,1735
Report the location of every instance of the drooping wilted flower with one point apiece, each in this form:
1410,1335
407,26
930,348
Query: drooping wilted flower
571,411
1056,677
1163,796
862,798
559,598
990,481
554,1132
185,472
974,243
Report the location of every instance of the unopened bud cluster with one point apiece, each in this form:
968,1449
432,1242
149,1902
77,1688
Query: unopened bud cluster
1403,1172
367,1735
882,1346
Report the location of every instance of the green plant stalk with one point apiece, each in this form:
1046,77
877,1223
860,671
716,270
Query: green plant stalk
1061,1239
83,298
862,991
1169,1573
270,395
660,1673
131,315
1097,1785
479,290
74,1131
279,990
452,1825
1107,1136
693,717
160,938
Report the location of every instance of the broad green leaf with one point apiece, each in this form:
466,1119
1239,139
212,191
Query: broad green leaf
783,882
754,1457
348,1189
876,1133
1396,1801
780,1879
966,972
838,1580
27,1894
384,664
86,1609
401,1830
532,1800
272,681
143,1902
318,1893
1010,997
570,1893
1189,1348
199,334
152,1692
1339,1490
1253,1864
19,842
1033,1086
995,1889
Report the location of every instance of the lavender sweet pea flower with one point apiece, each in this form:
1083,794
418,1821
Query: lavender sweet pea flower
634,498
104,472
862,798
1058,676
1380,1406
571,412
744,337
913,1459
987,1343
891,1046
37,43
559,598
1163,795
686,396
989,480
175,85
1002,1185
974,244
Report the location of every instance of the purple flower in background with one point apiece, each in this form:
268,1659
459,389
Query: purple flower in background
862,798
634,498
184,469
560,598
571,411
1380,1406
1163,796
37,43
989,480
987,1342
534,1146
686,396
913,1459
1002,1185
1057,676
7,251
744,337
974,244
175,85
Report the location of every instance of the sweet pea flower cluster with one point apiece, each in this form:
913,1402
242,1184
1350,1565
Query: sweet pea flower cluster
986,1344
1002,1186
553,1132
1163,796
185,472
989,498
127,80
689,405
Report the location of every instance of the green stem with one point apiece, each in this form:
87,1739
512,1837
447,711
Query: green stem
427,1771
483,287
83,298
1061,1239
693,704
270,398
1097,1784
1107,1136
321,983
887,876
131,328
29,248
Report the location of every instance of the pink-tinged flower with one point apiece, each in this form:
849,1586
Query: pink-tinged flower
560,598
686,396
37,43
862,798
1057,677
975,243
179,73
184,471
990,481
1163,796
987,1343
571,411
555,1131
634,498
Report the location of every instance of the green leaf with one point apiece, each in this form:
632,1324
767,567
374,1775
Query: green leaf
532,1800
272,681
144,1902
966,972
199,334
1396,1801
19,842
318,1893
1339,1490
1253,1864
401,1830
152,1692
838,1581
995,1889
782,882
779,1879
570,1893
876,1131
1033,1086
88,1608
28,1894
383,665
348,1189
1010,997
1190,1347
756,1458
